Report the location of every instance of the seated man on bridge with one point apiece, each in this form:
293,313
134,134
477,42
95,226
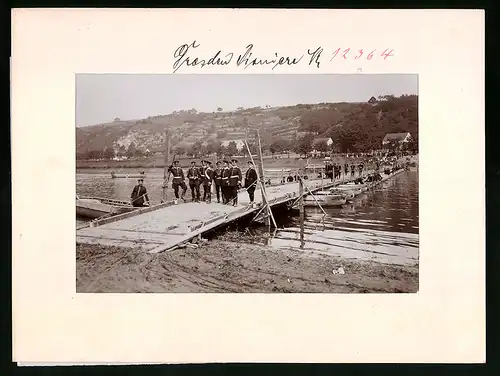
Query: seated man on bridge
139,194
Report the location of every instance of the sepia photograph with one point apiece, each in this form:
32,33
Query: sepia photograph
251,183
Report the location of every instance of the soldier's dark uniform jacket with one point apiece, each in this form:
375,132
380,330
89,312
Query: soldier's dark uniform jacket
235,177
218,176
250,177
226,173
194,175
139,195
177,175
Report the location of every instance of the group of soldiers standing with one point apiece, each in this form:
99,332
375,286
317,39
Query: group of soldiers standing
334,171
226,178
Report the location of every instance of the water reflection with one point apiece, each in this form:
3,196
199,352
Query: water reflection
100,184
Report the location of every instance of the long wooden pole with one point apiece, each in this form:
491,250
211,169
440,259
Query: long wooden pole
165,168
263,193
260,163
301,209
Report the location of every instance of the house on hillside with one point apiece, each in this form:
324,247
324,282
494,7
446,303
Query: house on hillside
396,138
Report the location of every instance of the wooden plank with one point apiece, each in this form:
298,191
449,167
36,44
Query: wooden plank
131,214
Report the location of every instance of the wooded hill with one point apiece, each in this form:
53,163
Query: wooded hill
352,127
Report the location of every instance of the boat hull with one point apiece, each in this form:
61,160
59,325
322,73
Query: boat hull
325,200
127,176
93,208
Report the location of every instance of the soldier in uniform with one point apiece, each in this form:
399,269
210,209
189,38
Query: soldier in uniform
194,177
208,176
353,169
346,169
139,194
234,182
250,181
178,180
226,173
218,180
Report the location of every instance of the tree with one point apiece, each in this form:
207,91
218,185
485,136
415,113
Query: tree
196,149
322,147
232,149
109,153
204,149
131,150
252,145
412,145
278,146
95,154
180,150
122,151
286,145
221,151
213,146
304,145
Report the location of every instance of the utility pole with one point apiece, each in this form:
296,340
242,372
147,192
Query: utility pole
165,168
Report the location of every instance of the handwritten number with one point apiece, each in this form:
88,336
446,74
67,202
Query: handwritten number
387,53
345,53
370,55
335,53
360,54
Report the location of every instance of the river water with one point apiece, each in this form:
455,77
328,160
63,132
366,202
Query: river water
380,225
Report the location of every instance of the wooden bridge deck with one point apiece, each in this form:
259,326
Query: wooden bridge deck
164,226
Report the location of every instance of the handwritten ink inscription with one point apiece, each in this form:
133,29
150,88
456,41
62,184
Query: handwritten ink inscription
182,57
186,56
247,60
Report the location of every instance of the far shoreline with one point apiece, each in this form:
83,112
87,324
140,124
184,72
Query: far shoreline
269,161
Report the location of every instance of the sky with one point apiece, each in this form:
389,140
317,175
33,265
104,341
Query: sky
100,98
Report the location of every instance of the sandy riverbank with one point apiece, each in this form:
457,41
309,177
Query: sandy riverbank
222,266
